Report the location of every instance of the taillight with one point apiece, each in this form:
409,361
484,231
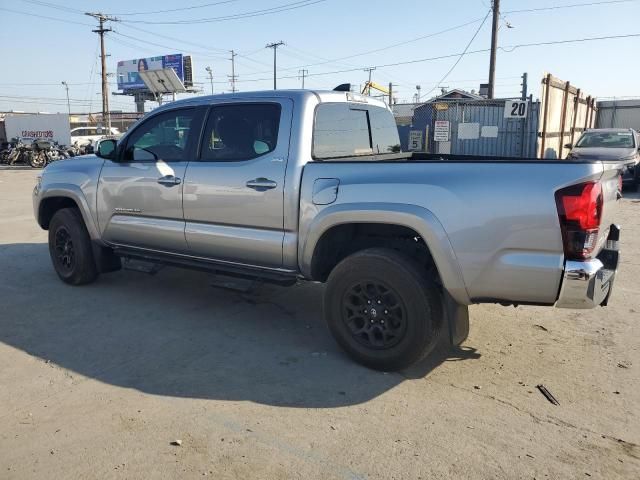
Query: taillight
580,212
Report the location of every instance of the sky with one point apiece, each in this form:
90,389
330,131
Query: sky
334,40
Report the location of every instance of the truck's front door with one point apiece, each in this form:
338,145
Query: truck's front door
233,195
140,193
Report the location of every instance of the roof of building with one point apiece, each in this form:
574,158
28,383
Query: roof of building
456,93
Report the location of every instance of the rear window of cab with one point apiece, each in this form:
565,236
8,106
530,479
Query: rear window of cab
348,130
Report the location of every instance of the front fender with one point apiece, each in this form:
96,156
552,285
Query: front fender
419,219
74,193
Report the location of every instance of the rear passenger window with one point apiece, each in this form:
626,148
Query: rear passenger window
237,132
341,131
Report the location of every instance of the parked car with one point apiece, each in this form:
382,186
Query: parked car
84,135
611,144
282,186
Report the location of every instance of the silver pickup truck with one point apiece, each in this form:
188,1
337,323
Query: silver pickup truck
281,186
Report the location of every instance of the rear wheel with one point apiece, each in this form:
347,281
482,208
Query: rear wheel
38,160
382,309
70,248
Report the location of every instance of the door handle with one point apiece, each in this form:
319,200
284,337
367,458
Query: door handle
169,180
261,184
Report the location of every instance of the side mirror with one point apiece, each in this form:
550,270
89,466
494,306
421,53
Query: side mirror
107,149
568,145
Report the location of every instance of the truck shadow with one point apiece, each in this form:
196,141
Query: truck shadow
174,334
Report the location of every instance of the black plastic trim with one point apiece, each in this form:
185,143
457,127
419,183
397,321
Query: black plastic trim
284,278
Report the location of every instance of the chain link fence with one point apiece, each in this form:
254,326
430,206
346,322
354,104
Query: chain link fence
499,127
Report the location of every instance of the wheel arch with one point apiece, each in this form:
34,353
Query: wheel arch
333,226
56,198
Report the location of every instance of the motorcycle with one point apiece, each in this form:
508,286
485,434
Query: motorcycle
5,150
18,153
57,152
39,153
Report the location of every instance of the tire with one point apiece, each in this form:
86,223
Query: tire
404,329
37,160
70,248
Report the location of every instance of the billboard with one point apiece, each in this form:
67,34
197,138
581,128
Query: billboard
129,79
50,127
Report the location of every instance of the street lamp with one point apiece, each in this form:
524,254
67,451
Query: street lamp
66,86
210,72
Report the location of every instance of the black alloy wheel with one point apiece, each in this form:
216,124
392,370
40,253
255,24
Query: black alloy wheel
374,314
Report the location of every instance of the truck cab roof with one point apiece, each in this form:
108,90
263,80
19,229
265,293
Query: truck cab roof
297,95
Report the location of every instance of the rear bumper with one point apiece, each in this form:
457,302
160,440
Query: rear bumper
589,283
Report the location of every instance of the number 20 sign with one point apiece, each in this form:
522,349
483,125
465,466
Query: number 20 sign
515,109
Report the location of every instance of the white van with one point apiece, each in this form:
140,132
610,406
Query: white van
86,135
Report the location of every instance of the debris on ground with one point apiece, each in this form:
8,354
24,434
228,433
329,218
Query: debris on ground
549,396
177,443
624,364
540,327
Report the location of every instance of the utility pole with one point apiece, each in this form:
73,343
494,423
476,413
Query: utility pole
370,69
303,73
66,86
494,47
106,118
210,72
368,87
524,85
233,76
275,46
390,94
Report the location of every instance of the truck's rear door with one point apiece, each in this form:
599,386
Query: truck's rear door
233,194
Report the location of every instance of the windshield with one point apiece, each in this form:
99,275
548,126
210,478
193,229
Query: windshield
606,140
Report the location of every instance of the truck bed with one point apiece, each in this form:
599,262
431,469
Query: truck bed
496,218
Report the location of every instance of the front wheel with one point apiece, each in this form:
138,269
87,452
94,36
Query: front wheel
70,248
382,309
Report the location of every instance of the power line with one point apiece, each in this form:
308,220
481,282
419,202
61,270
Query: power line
174,39
135,39
388,47
575,5
194,7
55,6
464,52
511,48
45,17
251,14
508,49
42,84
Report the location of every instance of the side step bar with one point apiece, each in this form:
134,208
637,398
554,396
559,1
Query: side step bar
278,277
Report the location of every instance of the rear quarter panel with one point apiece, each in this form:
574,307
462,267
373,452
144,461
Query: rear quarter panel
497,223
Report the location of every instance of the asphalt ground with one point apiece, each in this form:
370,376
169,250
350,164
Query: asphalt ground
98,381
